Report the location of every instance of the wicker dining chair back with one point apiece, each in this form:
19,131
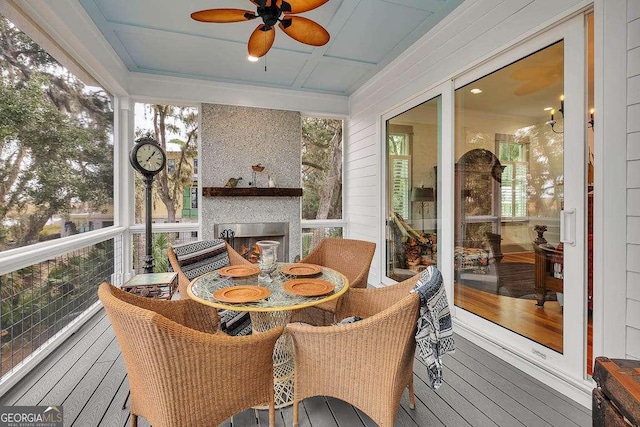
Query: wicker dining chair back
181,371
183,280
367,363
348,256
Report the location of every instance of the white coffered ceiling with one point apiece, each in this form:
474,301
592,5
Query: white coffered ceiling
159,37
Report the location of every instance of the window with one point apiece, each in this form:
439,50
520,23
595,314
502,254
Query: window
400,169
413,143
514,157
171,165
56,149
194,197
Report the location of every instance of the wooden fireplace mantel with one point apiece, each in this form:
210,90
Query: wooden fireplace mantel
251,192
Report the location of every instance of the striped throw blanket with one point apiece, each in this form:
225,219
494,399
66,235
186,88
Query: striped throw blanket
198,258
434,334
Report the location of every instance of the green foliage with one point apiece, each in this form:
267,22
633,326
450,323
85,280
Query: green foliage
159,250
55,139
49,230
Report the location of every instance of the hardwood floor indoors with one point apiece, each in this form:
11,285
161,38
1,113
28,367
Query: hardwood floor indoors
522,316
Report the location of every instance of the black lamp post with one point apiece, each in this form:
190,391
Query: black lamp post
149,262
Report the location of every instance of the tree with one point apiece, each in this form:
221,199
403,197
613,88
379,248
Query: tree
55,139
182,121
321,170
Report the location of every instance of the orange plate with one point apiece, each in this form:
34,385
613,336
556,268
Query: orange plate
308,287
239,270
301,269
241,293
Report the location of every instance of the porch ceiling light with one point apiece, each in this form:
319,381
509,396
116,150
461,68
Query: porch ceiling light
476,91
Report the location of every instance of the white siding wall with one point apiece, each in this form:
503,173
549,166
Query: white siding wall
633,179
468,35
472,33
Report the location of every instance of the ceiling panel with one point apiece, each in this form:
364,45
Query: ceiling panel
334,77
218,60
159,37
374,29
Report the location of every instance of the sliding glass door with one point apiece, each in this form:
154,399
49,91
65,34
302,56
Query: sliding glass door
519,187
413,141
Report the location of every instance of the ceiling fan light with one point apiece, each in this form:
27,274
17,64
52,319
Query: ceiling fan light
251,58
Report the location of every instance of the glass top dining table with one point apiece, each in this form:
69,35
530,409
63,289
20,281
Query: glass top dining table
202,289
273,310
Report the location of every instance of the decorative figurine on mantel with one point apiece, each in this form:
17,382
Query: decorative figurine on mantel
272,183
255,169
233,182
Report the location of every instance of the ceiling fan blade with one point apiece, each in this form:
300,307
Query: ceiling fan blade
223,15
299,6
267,3
261,41
304,30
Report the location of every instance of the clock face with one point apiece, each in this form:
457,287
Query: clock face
150,157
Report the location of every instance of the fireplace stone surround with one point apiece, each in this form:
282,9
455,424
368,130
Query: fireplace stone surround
235,138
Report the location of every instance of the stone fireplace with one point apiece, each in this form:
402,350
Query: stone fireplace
236,138
243,237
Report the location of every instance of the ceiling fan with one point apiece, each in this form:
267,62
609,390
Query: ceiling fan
272,12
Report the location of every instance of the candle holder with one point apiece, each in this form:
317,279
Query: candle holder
268,260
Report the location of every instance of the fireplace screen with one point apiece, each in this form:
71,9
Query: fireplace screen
243,237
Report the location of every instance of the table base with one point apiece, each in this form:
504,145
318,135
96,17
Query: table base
283,367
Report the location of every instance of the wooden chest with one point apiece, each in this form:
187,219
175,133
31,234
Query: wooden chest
616,399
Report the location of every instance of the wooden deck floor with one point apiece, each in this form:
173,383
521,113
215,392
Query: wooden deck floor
87,377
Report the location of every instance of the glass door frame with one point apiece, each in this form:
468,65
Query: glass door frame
569,365
444,90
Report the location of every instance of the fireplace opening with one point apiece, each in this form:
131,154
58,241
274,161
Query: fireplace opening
243,237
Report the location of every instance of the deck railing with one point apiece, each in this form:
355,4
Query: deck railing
48,289
161,241
44,290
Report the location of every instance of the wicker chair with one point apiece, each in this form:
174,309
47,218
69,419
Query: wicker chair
182,371
233,322
183,281
347,256
368,363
